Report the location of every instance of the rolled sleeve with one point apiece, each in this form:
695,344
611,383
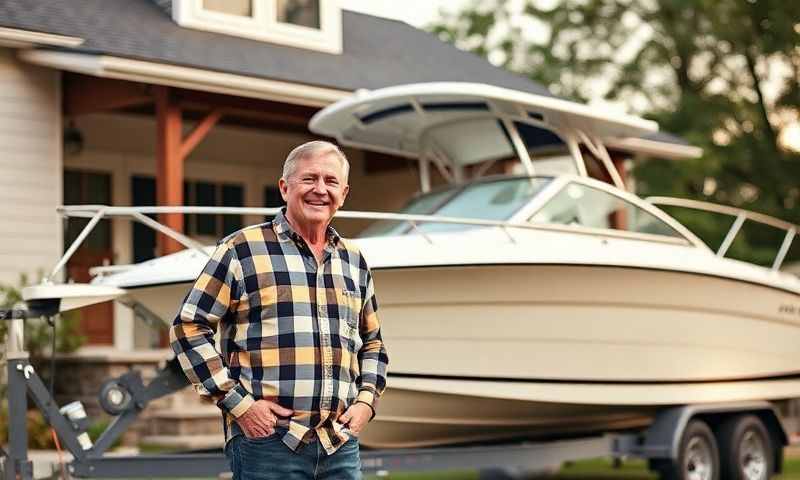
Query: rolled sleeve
236,401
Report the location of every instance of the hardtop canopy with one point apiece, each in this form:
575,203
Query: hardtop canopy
466,122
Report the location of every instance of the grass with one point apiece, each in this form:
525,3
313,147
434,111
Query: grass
588,470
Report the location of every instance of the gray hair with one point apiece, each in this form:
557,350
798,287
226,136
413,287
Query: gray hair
313,149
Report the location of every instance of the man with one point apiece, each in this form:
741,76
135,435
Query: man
301,363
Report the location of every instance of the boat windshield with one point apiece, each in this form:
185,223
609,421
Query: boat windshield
495,200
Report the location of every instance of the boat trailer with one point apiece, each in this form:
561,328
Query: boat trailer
125,397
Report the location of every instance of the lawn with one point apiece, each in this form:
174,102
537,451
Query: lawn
589,470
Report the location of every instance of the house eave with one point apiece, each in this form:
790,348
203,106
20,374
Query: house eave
19,38
184,77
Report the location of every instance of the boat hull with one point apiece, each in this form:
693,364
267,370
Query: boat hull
491,352
585,323
418,412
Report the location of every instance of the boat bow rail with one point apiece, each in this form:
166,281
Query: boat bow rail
740,216
140,214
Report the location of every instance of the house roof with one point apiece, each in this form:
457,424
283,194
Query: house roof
377,52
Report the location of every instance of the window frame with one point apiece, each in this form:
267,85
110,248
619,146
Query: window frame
83,175
560,183
190,199
264,26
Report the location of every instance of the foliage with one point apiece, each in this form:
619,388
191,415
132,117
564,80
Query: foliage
38,332
39,434
723,74
38,342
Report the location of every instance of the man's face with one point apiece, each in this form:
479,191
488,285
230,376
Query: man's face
315,190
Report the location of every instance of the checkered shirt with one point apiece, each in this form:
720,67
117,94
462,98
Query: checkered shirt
294,332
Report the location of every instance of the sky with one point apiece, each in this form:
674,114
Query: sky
415,12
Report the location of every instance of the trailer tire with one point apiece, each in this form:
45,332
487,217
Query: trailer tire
698,457
745,447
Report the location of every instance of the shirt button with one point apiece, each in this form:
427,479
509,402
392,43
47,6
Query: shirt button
322,310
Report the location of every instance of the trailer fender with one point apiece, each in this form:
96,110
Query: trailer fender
662,439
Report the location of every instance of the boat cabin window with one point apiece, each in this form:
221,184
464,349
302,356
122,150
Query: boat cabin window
491,200
589,207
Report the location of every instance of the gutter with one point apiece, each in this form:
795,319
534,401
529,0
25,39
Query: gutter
17,38
184,77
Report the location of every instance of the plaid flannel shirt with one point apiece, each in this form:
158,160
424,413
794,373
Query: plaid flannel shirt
300,334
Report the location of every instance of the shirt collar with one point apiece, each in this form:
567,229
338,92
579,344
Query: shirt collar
285,231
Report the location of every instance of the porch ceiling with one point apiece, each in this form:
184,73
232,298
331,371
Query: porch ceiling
84,94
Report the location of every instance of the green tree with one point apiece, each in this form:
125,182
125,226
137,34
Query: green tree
721,73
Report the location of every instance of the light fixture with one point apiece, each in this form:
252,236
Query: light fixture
73,139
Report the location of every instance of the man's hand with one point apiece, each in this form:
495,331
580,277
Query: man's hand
259,420
356,417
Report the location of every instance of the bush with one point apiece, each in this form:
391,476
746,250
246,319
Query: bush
38,341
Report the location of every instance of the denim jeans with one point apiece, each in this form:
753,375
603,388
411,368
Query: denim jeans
268,458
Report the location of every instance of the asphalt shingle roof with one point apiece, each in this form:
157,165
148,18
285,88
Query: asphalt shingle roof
378,52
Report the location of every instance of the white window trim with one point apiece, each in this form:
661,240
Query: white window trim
263,25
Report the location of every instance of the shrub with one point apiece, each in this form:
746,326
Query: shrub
38,342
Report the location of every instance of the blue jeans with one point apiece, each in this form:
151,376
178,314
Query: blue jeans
268,458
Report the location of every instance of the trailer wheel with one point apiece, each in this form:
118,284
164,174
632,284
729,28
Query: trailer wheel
746,452
698,457
114,398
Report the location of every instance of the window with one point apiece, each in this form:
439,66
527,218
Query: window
304,13
312,24
143,192
496,200
240,8
421,205
584,206
87,188
272,199
207,194
487,201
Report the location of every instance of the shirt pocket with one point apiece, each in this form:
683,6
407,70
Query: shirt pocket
350,314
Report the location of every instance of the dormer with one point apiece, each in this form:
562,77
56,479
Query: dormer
309,24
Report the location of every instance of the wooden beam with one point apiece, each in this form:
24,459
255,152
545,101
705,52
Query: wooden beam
242,104
84,94
199,133
169,165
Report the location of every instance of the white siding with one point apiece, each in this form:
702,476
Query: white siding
30,168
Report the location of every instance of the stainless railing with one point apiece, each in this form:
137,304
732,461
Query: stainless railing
741,215
95,213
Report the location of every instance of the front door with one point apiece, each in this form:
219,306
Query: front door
80,188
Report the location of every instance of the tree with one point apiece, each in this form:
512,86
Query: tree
721,73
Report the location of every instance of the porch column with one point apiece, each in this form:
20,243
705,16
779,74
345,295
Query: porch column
169,165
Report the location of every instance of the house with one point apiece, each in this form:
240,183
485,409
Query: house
197,102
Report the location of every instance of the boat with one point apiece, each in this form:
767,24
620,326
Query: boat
542,304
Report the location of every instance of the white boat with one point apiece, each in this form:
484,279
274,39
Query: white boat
524,306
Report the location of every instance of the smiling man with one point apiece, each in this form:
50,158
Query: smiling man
301,363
